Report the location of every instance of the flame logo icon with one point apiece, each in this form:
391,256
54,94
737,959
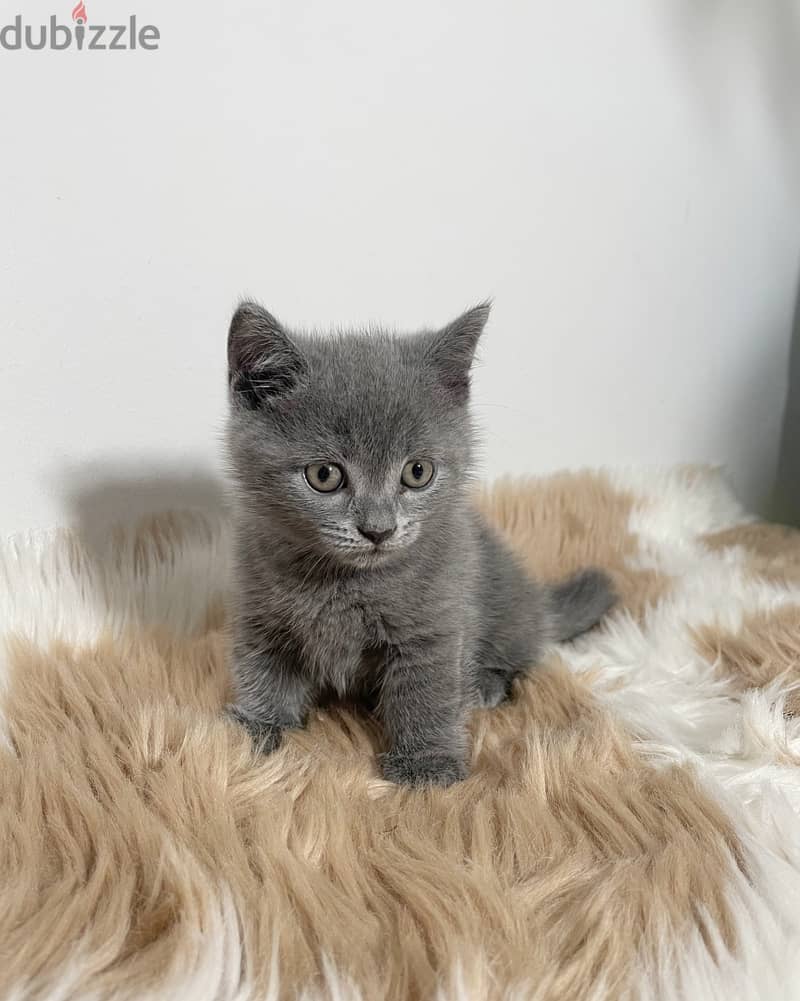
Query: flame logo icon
79,13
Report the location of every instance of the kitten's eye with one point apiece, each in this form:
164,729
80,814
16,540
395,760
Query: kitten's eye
324,477
417,474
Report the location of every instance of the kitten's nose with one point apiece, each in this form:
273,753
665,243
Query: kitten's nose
377,535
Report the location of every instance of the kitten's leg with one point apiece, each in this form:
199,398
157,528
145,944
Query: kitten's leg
423,708
270,697
493,687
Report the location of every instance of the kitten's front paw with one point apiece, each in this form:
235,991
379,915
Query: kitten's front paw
423,769
266,737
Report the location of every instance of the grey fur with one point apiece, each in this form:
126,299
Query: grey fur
436,619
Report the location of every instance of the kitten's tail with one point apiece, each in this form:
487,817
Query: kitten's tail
580,602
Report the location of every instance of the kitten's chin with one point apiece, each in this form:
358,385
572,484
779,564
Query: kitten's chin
369,558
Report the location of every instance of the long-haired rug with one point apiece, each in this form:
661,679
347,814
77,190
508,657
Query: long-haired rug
630,828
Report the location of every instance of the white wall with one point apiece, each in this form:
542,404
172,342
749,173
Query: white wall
623,178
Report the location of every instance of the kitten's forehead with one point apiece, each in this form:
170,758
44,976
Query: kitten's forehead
370,391
366,358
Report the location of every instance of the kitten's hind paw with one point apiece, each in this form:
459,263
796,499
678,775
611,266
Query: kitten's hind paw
493,688
423,769
266,736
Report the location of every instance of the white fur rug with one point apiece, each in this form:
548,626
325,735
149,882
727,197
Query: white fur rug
630,829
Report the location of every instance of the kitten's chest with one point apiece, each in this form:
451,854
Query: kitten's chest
339,629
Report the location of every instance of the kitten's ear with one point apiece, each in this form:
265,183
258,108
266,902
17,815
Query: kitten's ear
263,363
452,349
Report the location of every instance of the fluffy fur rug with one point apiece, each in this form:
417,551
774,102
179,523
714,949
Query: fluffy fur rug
630,829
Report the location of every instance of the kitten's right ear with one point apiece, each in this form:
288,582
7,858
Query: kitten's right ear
264,365
451,350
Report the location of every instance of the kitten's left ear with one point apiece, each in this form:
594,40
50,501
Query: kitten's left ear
452,349
264,364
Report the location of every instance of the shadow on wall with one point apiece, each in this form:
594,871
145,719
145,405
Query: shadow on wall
736,55
100,495
786,502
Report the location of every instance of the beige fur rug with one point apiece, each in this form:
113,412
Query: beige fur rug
630,829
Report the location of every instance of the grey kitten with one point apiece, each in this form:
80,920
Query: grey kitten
363,569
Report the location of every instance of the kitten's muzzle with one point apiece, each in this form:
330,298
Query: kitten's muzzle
377,535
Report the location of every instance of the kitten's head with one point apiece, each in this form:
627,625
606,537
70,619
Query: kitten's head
351,444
